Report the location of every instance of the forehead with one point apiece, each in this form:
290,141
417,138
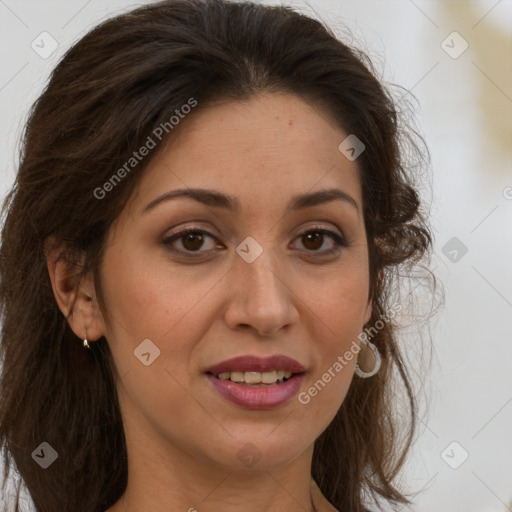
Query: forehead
270,147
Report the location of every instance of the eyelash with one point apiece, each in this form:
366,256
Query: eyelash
339,241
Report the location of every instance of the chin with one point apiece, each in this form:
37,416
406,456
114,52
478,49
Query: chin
252,453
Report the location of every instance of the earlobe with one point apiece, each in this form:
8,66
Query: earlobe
74,294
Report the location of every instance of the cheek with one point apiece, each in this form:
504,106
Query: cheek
338,315
148,299
339,303
342,323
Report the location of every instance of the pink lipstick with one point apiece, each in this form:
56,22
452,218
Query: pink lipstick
257,383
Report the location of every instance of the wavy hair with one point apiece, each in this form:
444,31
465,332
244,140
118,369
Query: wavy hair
111,89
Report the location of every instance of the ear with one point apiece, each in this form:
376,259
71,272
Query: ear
75,294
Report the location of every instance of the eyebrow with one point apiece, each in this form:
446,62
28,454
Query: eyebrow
231,203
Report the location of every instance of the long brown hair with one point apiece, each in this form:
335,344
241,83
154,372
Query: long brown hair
104,99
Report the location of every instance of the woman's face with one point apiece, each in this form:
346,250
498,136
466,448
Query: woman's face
248,282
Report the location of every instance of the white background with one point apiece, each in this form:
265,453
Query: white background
465,107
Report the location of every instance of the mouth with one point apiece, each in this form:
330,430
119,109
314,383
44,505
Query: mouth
257,383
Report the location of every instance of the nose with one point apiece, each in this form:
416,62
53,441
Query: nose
260,297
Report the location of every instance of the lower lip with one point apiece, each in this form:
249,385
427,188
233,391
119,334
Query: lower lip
263,397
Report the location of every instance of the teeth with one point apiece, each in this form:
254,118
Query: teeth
237,376
252,378
266,377
256,377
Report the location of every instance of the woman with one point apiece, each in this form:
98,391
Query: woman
196,269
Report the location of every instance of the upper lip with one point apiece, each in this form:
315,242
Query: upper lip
257,364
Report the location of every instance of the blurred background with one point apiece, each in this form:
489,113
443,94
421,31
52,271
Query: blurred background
455,57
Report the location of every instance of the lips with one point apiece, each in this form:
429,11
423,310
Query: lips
257,364
262,396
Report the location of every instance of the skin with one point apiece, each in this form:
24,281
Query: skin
182,436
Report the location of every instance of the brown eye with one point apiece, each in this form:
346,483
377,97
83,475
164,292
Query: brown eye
313,240
192,240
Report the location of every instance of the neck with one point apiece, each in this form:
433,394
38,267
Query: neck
185,483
